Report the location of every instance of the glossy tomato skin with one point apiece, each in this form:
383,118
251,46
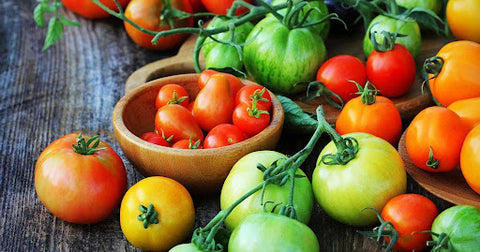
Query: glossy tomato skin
470,159
245,176
177,122
222,135
245,93
278,57
373,177
468,110
460,223
413,40
458,78
172,202
380,119
88,9
440,129
214,103
337,74
463,19
273,231
250,124
78,188
391,72
234,81
410,214
172,93
147,14
154,138
221,7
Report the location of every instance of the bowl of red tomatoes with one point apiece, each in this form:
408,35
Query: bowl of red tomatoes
194,127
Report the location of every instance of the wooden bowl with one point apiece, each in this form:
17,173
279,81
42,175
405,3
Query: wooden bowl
201,171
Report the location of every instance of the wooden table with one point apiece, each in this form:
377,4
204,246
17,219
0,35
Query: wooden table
73,86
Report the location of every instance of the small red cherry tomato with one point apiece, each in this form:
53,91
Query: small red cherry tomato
223,135
177,122
155,138
187,144
172,93
249,119
337,75
248,92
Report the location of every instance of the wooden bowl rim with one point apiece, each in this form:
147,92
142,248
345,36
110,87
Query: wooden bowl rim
118,111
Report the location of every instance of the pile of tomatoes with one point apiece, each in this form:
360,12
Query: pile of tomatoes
224,112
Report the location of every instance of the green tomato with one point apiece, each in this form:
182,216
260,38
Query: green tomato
433,5
373,177
272,232
245,176
278,58
412,41
461,224
222,56
320,12
185,247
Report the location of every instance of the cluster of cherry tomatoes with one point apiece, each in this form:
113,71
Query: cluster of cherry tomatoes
224,112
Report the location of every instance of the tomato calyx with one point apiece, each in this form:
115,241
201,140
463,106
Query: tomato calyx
367,96
385,229
442,242
253,110
322,90
347,148
148,216
433,66
388,42
175,99
83,147
432,162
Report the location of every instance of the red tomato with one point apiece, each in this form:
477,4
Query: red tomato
223,135
155,138
221,6
177,122
197,6
247,93
337,75
89,9
380,117
250,120
410,214
434,139
391,72
81,184
172,93
234,81
470,159
148,14
214,103
187,144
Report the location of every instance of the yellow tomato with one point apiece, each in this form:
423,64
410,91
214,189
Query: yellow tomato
156,214
463,17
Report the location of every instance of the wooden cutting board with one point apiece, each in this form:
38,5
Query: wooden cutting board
337,43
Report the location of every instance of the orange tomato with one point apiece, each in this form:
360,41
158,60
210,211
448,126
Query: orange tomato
470,159
149,14
380,119
88,9
468,110
458,77
434,139
463,18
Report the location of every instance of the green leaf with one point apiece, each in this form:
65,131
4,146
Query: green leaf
296,120
38,15
68,22
54,33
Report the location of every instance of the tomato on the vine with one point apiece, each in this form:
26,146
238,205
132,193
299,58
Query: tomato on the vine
176,122
88,9
172,93
152,15
222,135
372,114
80,179
434,139
339,75
250,119
155,138
156,214
470,159
214,103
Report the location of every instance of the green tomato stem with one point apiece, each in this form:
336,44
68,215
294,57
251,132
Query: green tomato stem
148,216
87,147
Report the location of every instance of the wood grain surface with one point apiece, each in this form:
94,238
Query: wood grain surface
74,86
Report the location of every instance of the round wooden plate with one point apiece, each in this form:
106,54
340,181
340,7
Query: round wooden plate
450,186
408,105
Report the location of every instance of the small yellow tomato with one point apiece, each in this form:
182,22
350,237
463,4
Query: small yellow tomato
156,214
